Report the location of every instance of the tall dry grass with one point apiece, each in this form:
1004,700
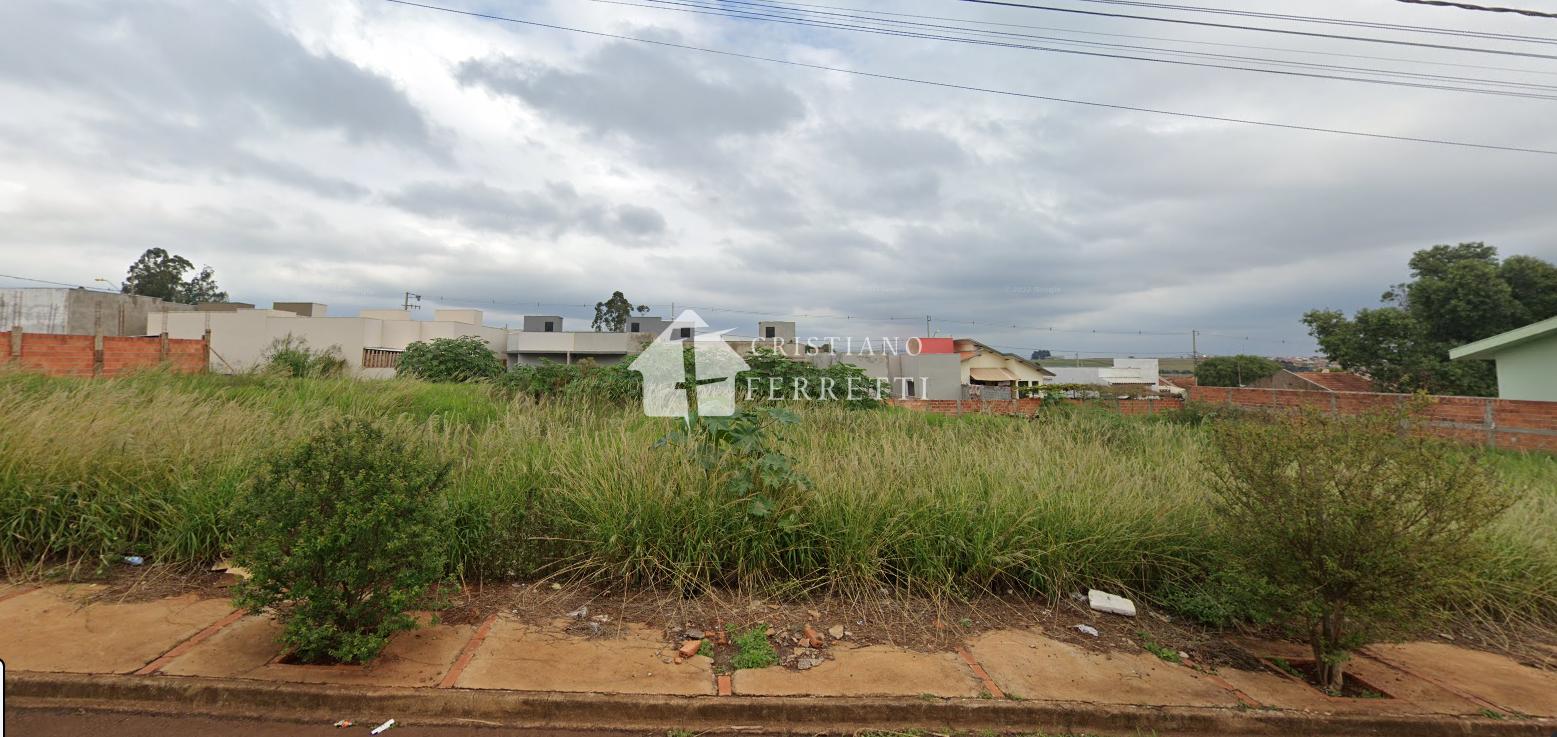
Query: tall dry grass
92,470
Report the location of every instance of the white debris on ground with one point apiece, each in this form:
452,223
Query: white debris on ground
1086,629
1105,602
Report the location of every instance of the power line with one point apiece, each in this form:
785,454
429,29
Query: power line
1330,21
1196,42
986,90
1487,8
58,283
1264,29
743,14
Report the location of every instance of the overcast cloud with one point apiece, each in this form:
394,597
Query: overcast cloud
346,151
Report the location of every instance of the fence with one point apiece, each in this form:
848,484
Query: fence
1496,423
97,355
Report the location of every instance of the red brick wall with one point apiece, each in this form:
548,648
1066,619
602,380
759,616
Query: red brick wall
77,355
1027,406
1501,423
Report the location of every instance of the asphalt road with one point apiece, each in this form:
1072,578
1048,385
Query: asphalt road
51,723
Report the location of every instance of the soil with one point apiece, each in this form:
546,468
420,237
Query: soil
1352,686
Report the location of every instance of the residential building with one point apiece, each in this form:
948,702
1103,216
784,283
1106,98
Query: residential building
925,375
1526,360
80,311
1128,375
370,342
1004,373
1315,381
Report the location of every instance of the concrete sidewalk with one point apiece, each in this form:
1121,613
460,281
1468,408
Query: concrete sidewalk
162,643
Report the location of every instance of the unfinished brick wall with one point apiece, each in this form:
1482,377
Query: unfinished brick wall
1497,423
1029,405
88,355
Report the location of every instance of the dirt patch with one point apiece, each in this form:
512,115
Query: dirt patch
126,584
1353,686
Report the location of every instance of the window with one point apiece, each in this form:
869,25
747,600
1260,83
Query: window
550,327
686,333
634,327
909,392
770,332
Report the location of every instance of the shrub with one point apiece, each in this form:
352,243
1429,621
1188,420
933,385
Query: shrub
291,356
1237,370
1352,521
449,360
343,535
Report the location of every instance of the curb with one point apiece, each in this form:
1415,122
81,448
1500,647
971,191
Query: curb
184,696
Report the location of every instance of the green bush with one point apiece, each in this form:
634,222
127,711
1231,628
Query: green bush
1354,522
1239,370
291,356
343,535
449,360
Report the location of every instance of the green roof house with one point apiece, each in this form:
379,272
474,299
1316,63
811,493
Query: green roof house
1526,358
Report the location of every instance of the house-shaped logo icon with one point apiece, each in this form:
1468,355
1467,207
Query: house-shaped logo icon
667,370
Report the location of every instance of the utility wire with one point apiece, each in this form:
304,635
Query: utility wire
1000,24
58,283
1331,21
1487,8
986,90
1263,29
742,14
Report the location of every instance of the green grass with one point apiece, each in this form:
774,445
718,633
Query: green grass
752,649
921,504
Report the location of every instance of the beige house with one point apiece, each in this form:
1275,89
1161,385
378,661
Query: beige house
986,366
370,342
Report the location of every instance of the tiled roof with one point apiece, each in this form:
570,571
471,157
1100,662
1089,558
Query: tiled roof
1339,381
1182,382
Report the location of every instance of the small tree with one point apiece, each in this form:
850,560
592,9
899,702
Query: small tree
612,314
449,360
1352,521
1234,370
343,535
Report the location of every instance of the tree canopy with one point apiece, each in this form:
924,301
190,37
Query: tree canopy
1234,370
1457,294
612,314
160,274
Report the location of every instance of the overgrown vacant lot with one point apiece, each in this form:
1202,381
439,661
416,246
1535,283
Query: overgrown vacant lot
918,504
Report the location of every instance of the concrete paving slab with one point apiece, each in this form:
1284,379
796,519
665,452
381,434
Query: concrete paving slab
876,670
54,630
634,661
1409,695
1493,678
1026,664
248,648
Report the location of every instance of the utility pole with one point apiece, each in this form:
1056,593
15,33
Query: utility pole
1194,347
407,306
927,332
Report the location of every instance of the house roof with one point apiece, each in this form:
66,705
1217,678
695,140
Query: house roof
1029,363
1338,381
1490,347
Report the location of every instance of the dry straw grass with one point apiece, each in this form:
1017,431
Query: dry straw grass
91,470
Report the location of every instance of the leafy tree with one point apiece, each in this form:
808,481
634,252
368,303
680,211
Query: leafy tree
1458,294
343,535
466,358
1237,370
612,315
160,274
1350,523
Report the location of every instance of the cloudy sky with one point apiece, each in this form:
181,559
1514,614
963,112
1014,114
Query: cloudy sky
346,151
